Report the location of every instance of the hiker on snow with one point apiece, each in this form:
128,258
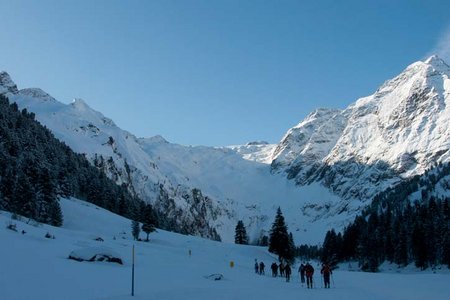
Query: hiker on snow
309,272
326,272
261,268
256,267
301,270
274,268
281,266
287,271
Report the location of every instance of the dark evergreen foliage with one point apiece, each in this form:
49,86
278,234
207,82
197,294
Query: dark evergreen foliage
148,228
263,241
418,233
396,230
240,236
307,252
279,241
148,218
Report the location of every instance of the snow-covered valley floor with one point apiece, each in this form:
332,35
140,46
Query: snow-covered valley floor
35,267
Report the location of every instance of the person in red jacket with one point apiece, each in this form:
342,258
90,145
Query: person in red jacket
309,272
326,272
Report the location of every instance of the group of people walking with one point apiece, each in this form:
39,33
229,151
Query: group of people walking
259,268
285,270
306,271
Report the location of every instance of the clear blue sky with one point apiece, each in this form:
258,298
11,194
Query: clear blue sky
215,72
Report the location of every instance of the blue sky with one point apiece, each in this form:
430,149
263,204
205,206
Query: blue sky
216,72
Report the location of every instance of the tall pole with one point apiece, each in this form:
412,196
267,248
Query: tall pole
132,276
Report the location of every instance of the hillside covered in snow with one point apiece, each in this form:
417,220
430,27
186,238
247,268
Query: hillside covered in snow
164,269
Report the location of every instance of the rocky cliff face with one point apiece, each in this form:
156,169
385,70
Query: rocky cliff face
7,86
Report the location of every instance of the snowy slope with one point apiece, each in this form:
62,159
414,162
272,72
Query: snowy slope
256,151
34,267
399,131
245,190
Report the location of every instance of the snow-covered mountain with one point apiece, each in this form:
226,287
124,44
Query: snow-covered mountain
120,155
399,131
321,173
198,190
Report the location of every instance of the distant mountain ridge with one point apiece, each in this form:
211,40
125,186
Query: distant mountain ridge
322,172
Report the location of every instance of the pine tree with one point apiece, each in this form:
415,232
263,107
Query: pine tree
446,235
401,249
292,247
147,214
47,195
148,228
418,246
330,248
55,214
240,236
279,238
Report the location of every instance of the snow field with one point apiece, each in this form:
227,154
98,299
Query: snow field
34,267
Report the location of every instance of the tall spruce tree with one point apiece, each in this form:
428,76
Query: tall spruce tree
240,235
148,219
279,238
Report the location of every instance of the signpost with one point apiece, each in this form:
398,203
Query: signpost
132,275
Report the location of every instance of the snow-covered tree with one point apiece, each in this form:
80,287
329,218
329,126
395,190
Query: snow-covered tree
135,229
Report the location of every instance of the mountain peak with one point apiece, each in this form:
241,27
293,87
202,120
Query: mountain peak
437,63
433,59
79,104
6,84
157,139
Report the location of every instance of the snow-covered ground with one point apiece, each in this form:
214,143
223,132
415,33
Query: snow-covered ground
35,267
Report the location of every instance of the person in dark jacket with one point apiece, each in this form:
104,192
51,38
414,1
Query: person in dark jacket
301,270
274,268
256,267
326,272
287,272
309,272
261,268
281,266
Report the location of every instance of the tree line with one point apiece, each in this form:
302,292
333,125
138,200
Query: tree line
418,234
398,229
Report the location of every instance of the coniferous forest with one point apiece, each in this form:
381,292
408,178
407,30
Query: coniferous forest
396,229
36,169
